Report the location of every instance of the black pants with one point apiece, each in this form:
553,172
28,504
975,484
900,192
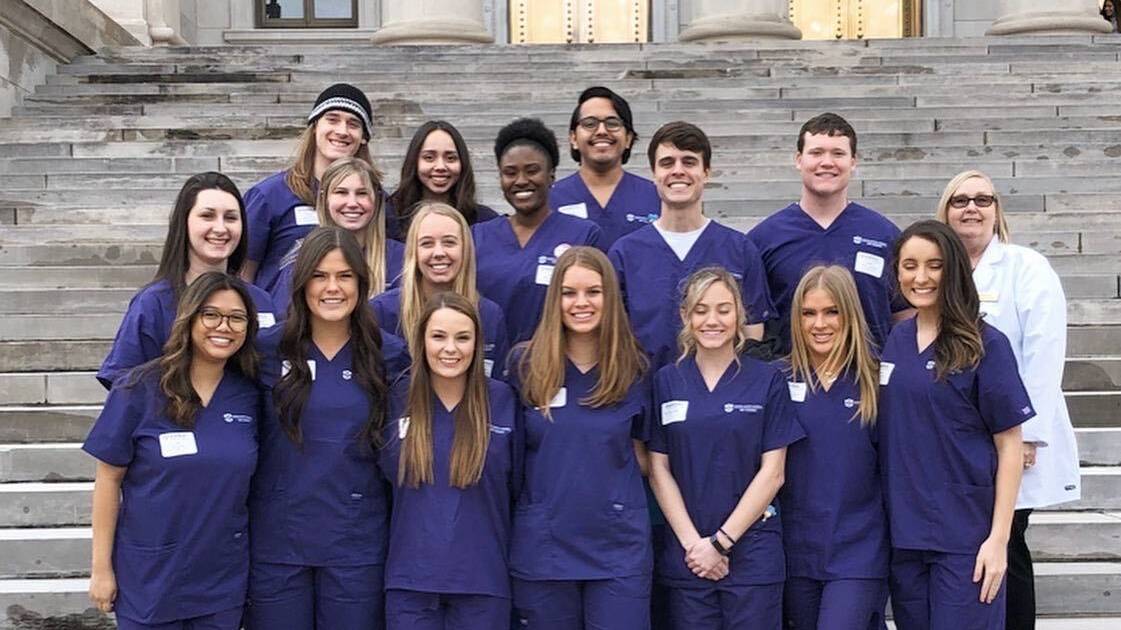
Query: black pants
1021,577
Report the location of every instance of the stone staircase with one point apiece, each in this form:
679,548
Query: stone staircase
90,164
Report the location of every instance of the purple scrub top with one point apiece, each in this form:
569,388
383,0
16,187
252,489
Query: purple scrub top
633,204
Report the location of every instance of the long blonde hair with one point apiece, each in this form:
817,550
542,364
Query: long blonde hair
620,358
374,245
695,287
471,416
943,212
412,280
852,349
300,177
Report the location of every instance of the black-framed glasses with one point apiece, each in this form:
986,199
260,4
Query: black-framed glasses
591,123
212,318
981,201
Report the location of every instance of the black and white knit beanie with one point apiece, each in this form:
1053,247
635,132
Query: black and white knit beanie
345,97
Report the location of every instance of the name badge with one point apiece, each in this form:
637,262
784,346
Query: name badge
674,411
266,320
286,367
575,210
544,274
885,372
305,215
178,443
988,296
797,391
488,366
402,427
869,264
560,400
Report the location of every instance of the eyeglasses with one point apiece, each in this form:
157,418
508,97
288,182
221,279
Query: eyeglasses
212,319
591,123
981,201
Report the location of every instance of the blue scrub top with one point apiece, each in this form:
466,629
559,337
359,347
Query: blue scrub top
860,240
395,227
715,442
515,277
937,455
322,503
147,325
282,289
277,219
387,312
834,526
444,539
181,547
582,513
633,204
652,279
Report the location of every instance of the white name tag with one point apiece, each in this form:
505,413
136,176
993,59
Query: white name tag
402,427
797,391
869,264
988,296
544,274
674,411
488,367
560,400
286,367
178,443
266,320
885,372
575,210
306,215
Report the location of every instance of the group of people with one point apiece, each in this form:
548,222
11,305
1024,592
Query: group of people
337,407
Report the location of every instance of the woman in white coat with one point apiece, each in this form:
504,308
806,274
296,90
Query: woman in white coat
1022,297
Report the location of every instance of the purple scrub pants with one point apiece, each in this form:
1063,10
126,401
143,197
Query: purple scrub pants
610,604
414,610
716,607
935,591
224,620
834,605
296,597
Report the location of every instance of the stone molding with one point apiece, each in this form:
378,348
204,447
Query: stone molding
725,20
1047,17
63,29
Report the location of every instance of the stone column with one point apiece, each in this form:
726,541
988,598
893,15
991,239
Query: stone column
432,22
724,20
1047,17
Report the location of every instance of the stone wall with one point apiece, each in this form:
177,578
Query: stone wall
22,67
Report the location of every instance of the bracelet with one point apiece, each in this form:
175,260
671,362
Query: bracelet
726,535
719,547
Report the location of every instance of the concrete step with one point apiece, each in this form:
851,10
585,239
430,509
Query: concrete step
45,462
41,356
1099,490
1067,536
1094,340
36,424
56,552
55,388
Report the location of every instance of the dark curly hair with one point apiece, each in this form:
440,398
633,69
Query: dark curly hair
529,132
622,108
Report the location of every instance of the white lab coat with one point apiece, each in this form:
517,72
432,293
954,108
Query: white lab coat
1021,295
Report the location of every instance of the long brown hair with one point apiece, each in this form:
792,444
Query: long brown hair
958,345
620,358
292,391
412,294
174,366
300,177
374,247
695,287
175,259
410,191
471,416
851,351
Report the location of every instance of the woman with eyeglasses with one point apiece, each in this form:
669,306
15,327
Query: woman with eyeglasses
206,232
950,409
169,551
1022,297
600,136
436,169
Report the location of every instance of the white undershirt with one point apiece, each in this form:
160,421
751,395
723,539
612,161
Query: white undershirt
681,242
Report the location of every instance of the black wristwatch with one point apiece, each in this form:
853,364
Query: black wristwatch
715,540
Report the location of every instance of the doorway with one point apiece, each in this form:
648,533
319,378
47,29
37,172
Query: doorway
579,21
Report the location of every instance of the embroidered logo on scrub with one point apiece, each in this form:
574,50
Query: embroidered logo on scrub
871,242
850,403
237,417
641,218
930,365
494,428
747,407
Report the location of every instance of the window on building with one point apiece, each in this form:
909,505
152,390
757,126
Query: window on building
307,13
